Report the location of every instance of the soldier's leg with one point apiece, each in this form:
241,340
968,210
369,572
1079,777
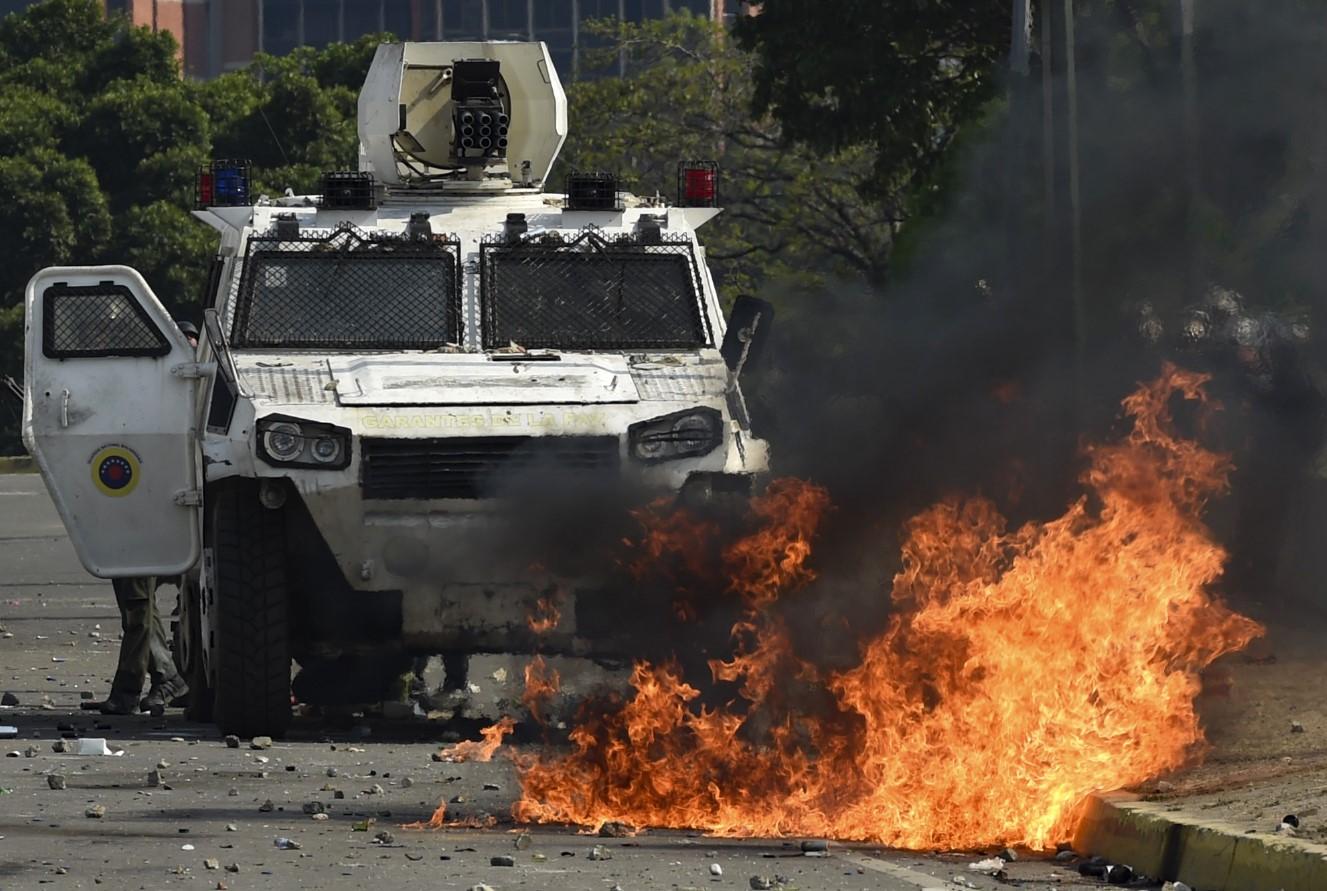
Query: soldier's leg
167,682
134,598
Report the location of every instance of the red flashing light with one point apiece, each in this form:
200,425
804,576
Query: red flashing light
206,189
699,184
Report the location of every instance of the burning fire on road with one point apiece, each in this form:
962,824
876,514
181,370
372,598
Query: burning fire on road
1021,669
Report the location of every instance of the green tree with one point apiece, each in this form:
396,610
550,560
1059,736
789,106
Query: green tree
790,213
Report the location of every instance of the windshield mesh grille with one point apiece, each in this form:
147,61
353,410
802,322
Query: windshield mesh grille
349,290
590,293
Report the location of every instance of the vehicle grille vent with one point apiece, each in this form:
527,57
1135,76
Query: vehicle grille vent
478,466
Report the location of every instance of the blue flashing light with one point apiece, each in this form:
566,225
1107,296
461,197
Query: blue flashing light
230,183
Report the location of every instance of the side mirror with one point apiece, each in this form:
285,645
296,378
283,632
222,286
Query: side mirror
749,326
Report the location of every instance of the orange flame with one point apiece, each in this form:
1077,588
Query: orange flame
1020,671
542,683
773,560
484,750
437,821
545,616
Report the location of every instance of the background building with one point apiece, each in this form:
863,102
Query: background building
221,35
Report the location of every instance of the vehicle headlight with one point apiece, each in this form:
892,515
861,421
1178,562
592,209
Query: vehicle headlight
288,442
283,441
684,434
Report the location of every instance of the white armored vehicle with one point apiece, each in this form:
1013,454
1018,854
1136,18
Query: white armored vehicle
400,384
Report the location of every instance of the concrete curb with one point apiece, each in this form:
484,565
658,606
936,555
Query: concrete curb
1165,842
17,464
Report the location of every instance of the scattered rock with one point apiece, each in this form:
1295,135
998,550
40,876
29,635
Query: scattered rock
414,855
332,772
232,741
261,759
95,811
501,860
314,807
500,675
375,789
211,863
60,746
492,787
1009,855
523,841
260,742
383,837
338,794
1065,856
815,846
1296,727
62,871
8,699
266,807
286,844
320,816
716,870
406,782
761,883
481,887
153,779
1164,786
231,827
437,756
55,781
599,852
1175,886
232,867
163,764
232,793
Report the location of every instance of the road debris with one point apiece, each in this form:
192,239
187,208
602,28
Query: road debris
95,811
716,870
9,699
260,742
286,844
55,781
502,860
992,866
211,863
599,852
1296,727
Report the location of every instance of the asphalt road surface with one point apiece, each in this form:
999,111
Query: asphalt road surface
202,820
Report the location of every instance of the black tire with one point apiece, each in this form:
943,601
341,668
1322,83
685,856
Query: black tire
252,612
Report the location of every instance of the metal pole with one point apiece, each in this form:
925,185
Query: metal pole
1075,211
575,40
437,19
261,8
1021,37
621,53
299,24
529,20
483,18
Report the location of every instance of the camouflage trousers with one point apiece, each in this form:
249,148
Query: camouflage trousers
144,649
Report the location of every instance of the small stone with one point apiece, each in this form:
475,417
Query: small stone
814,846
500,675
163,764
761,883
1065,856
320,816
314,807
232,741
62,871
383,837
95,811
375,789
406,782
261,759
492,787
232,867
8,699
523,841
266,807
60,746
231,827
186,847
599,852
1165,786
1009,855
414,855
716,870
1175,886
614,829
211,863
153,779
501,860
260,742
55,781
338,794
332,772
1296,727
30,752
437,756
481,887
232,793
286,844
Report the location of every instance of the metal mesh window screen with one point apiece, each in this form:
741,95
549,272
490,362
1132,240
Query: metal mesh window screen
97,320
349,290
590,293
